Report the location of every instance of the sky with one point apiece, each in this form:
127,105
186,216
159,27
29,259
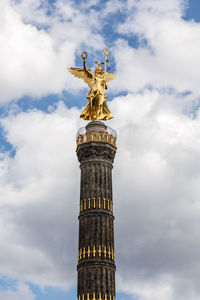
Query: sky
154,49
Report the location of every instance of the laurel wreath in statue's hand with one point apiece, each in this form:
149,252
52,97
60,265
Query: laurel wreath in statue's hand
84,55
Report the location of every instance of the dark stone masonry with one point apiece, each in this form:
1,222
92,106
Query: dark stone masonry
96,148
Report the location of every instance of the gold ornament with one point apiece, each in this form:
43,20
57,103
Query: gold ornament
96,108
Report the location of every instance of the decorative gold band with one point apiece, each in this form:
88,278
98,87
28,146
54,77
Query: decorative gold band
96,252
96,203
96,297
96,137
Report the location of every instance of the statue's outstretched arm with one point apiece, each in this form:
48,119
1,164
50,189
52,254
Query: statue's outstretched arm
84,65
86,70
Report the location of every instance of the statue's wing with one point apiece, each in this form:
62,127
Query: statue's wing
86,75
109,76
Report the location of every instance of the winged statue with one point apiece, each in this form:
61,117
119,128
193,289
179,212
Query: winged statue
96,108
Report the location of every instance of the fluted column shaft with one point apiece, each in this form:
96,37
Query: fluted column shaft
96,259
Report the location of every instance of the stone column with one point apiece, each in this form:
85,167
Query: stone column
96,148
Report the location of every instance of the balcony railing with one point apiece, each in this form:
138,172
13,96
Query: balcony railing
110,136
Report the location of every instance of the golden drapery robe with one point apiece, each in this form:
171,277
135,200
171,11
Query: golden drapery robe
97,108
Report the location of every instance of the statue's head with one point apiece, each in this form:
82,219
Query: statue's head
98,70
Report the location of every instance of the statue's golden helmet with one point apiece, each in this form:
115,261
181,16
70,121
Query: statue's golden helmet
98,69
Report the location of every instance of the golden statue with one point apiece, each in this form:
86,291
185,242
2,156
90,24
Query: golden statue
96,108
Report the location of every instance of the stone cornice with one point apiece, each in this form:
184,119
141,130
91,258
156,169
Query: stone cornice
96,151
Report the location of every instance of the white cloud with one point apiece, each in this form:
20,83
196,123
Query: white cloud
34,60
158,291
37,186
39,41
156,185
21,292
169,57
29,61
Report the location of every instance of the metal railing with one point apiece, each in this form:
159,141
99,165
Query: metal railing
109,136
